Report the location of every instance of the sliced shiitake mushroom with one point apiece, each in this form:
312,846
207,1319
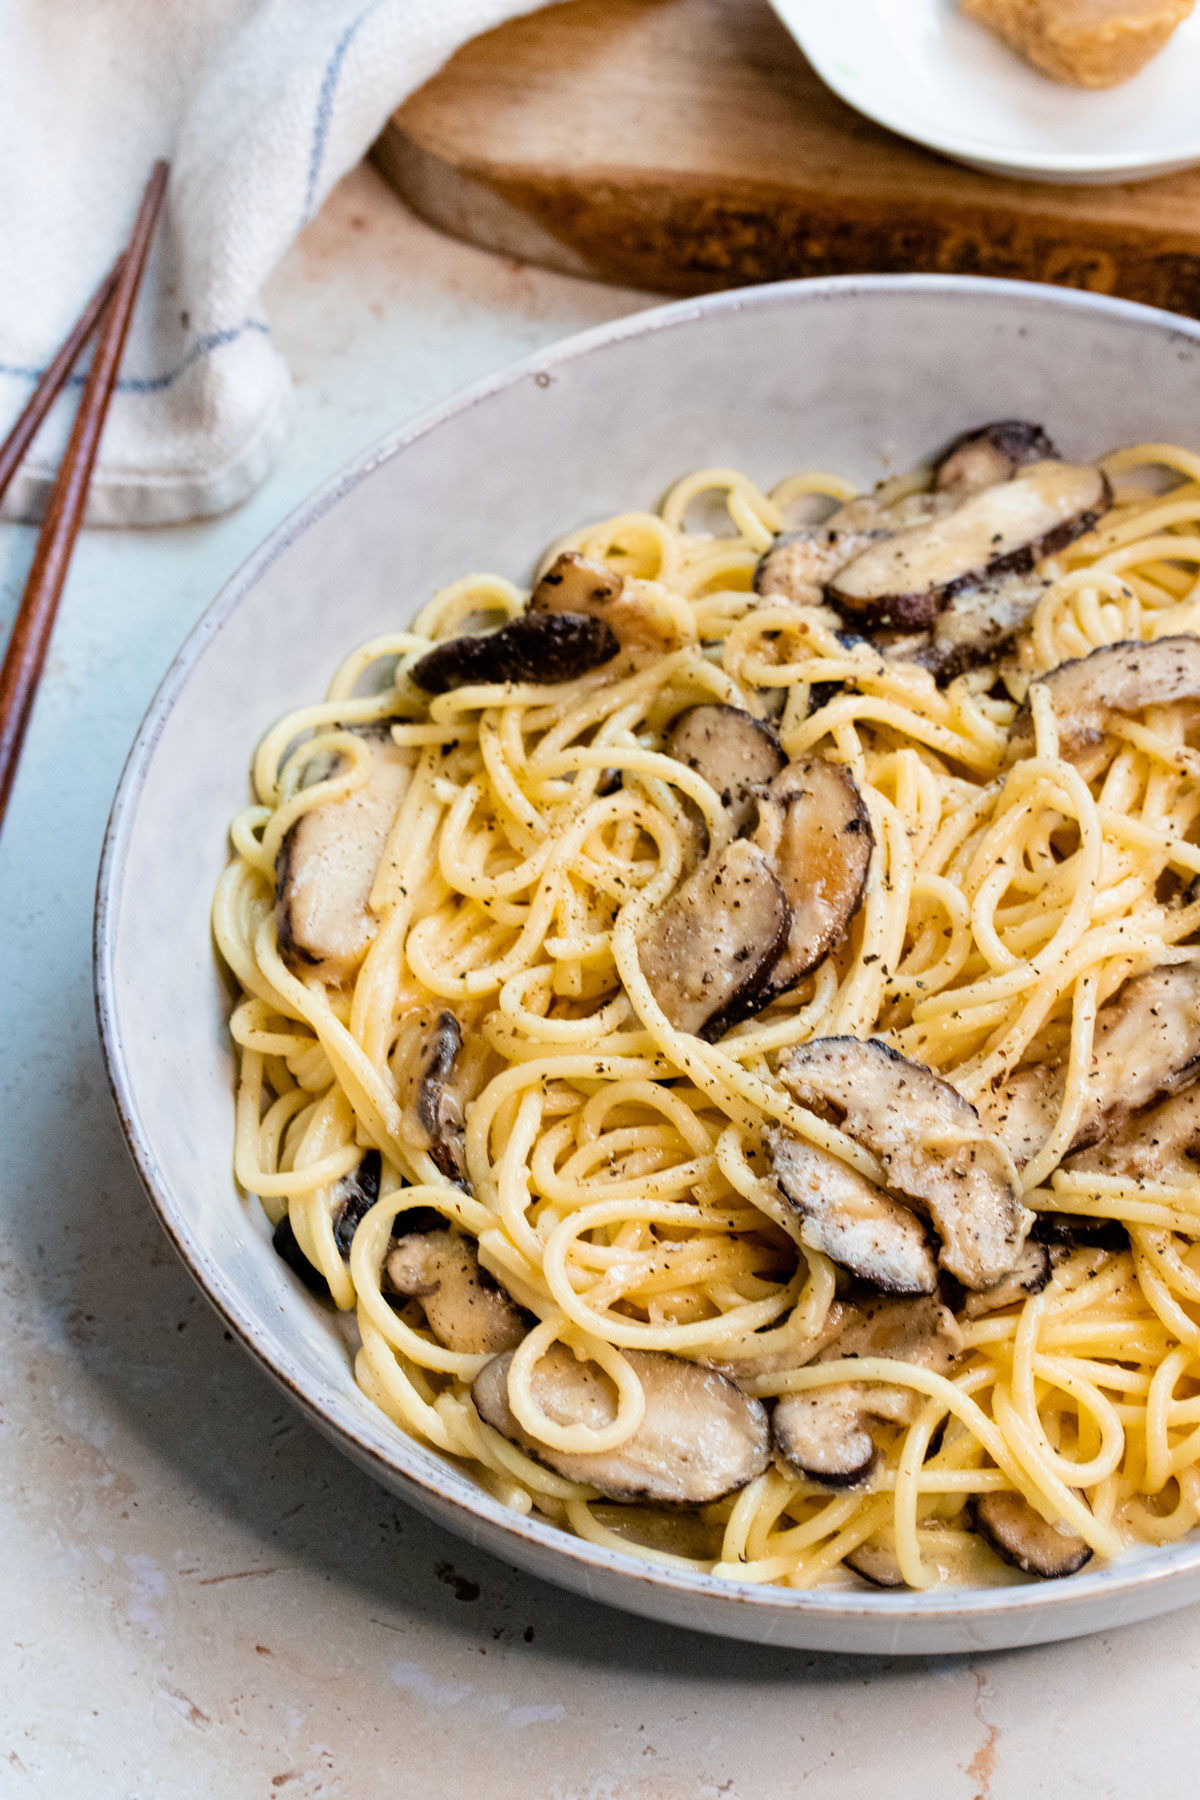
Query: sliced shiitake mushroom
1018,1533
921,1331
701,1437
822,1433
798,564
438,1072
814,827
286,1245
1120,678
1062,1232
977,625
737,754
934,1151
877,1563
858,1226
708,954
1159,1143
575,584
1029,1276
1146,1046
327,865
903,582
439,1107
466,1308
991,453
353,1197
1022,1110
541,647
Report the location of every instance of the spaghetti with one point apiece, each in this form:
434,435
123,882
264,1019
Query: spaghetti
613,1178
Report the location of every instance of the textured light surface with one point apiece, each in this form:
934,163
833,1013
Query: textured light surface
199,1597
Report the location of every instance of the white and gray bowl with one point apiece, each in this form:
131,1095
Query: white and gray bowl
860,376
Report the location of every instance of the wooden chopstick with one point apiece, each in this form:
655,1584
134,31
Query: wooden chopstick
50,382
26,654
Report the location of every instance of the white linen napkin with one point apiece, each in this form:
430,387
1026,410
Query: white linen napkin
261,105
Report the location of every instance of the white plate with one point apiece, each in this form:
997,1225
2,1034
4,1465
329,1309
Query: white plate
923,69
857,375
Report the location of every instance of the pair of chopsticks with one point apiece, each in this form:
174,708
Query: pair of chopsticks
110,308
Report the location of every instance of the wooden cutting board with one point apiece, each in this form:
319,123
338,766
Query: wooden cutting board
685,145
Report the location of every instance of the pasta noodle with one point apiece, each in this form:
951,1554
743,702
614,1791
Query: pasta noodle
616,1184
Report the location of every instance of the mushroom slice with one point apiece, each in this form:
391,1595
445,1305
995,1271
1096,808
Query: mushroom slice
904,582
709,952
1021,1112
922,1332
814,827
877,1563
327,864
353,1198
1062,1232
930,1141
1160,1143
1018,1533
836,1210
799,563
1146,1045
978,625
821,1435
992,453
1120,678
541,647
439,1108
737,754
286,1245
1030,1276
467,1310
701,1437
574,584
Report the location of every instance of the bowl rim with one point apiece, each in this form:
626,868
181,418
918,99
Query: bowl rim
402,1463
1181,153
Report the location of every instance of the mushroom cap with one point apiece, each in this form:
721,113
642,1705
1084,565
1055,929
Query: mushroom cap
903,582
1023,1538
541,647
821,1435
839,1212
708,953
737,754
814,826
575,584
701,1437
979,459
1146,1045
1119,678
327,865
934,1151
467,1310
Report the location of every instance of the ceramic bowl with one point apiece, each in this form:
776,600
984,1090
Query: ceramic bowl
925,70
861,376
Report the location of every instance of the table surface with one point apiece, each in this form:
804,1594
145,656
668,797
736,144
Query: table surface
198,1595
